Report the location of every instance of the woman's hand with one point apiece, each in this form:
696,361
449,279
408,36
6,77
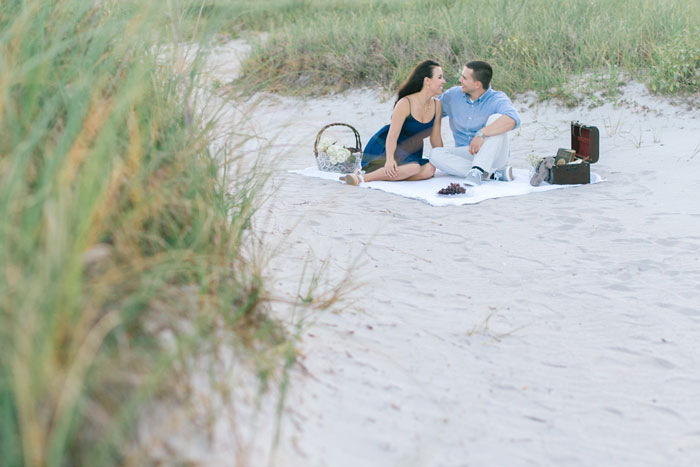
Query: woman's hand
391,170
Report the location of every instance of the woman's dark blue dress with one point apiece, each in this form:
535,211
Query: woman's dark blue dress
409,147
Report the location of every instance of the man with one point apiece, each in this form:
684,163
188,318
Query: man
480,119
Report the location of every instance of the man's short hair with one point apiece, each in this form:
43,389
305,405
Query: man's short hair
482,72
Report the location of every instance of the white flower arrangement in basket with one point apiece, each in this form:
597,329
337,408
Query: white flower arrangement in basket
336,153
333,157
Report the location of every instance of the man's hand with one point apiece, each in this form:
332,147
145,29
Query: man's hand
391,169
475,145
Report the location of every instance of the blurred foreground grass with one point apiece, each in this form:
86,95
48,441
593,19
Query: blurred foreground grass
126,244
317,46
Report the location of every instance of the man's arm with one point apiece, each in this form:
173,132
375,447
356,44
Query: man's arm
501,125
509,120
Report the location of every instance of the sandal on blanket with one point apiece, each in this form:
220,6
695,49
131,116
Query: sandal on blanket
542,171
354,178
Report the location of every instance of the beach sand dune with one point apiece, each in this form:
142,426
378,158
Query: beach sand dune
556,328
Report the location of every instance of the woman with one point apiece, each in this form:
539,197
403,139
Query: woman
396,151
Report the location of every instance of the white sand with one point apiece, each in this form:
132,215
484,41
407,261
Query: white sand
556,328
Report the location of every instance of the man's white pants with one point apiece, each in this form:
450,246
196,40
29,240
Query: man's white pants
493,155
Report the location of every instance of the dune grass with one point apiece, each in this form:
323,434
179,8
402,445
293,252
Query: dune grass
318,46
126,242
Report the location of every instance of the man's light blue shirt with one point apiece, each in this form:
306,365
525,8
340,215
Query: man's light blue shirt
467,116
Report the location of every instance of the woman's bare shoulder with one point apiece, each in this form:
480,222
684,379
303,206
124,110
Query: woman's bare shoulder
404,102
403,106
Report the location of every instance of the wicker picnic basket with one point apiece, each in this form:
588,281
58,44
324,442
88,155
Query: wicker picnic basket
350,165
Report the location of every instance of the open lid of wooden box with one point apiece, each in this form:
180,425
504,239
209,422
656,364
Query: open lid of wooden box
585,141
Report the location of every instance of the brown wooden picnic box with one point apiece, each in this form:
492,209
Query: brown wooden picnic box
585,141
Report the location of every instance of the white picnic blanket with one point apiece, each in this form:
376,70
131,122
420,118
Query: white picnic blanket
426,190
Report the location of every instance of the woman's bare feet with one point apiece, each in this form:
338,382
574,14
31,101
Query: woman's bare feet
354,178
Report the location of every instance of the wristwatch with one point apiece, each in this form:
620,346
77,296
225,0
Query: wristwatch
480,133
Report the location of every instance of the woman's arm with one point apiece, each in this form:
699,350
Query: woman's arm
436,135
398,116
